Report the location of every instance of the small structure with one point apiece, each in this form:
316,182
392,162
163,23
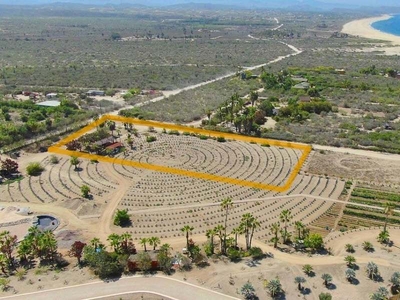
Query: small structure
299,79
304,99
95,93
51,95
388,127
133,263
105,142
45,223
115,147
49,103
340,71
398,75
302,85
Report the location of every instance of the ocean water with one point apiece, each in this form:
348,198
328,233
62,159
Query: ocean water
389,26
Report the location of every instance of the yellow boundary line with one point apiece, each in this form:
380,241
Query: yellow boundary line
306,149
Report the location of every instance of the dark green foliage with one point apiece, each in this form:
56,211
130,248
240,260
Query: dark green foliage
221,139
122,218
34,169
104,264
256,253
151,139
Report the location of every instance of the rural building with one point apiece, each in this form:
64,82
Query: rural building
50,103
115,147
299,79
340,71
95,93
133,263
51,95
302,85
305,98
105,142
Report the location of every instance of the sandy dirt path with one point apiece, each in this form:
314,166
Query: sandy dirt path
172,288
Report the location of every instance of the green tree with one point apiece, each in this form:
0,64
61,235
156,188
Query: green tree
285,217
314,241
350,261
144,261
164,258
274,287
85,190
115,242
226,205
154,241
122,218
74,162
236,232
367,246
210,233
327,278
266,107
187,229
349,248
249,223
143,242
102,263
299,227
299,280
384,237
219,231
275,228
388,211
253,97
308,269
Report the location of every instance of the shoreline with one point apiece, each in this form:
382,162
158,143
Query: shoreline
363,28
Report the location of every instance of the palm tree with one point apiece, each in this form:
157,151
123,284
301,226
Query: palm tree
210,233
299,227
327,278
75,162
95,242
219,231
114,240
247,290
350,274
249,224
299,280
372,270
125,238
381,294
350,260
253,97
275,228
389,209
143,242
367,246
237,231
187,229
308,269
154,241
384,237
274,287
349,248
285,217
226,205
395,281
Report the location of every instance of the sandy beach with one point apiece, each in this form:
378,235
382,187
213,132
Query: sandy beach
364,29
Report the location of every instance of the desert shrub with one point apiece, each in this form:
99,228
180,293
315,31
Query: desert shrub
203,137
151,139
34,169
54,159
173,132
221,139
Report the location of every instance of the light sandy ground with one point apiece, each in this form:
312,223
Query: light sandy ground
363,28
